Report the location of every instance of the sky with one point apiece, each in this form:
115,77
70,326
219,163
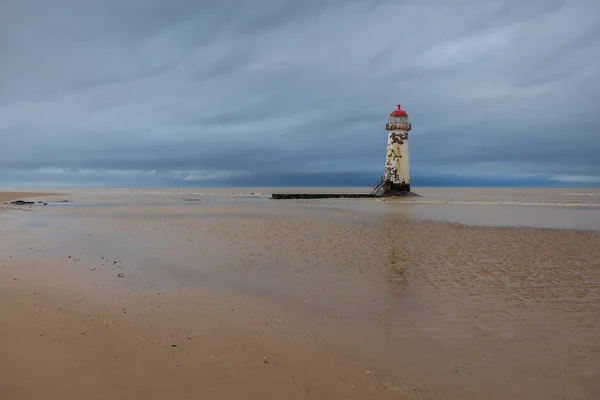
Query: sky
297,92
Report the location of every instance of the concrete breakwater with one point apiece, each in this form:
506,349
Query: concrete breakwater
279,196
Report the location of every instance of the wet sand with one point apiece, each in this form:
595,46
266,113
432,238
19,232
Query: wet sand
138,295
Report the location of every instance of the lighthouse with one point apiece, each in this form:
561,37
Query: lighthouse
396,177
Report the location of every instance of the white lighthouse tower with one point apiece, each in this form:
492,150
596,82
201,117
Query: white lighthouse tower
396,178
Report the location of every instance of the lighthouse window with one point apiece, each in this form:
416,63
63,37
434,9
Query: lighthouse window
398,120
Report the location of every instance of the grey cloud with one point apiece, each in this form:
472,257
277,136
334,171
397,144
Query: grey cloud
157,91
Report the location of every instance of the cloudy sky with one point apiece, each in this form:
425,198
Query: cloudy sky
297,92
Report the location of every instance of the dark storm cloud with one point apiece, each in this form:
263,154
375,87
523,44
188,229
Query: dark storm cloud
297,92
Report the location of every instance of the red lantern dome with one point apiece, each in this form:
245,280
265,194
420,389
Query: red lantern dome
399,112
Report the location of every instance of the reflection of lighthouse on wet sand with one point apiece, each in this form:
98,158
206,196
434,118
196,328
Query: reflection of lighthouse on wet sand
397,173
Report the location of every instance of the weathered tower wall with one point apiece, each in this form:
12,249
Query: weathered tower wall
397,166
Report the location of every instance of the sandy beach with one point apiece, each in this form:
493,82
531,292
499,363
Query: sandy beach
188,294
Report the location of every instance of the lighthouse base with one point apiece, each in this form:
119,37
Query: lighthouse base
396,189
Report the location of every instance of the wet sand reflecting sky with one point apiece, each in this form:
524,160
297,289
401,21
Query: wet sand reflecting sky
434,309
